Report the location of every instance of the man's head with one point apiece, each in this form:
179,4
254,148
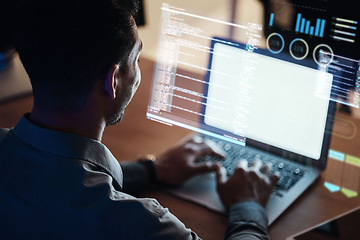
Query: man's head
67,46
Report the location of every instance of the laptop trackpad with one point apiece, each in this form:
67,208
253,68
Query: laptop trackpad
200,189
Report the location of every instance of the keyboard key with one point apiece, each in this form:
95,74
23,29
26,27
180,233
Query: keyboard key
220,144
281,165
290,172
227,147
242,152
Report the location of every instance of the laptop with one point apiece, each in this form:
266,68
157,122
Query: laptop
278,106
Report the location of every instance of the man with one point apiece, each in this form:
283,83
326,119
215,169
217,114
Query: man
57,180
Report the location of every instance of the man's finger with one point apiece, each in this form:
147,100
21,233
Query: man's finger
220,174
256,164
266,169
206,147
204,167
214,149
243,163
274,178
197,139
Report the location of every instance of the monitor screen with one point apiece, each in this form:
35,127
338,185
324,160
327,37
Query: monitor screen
273,101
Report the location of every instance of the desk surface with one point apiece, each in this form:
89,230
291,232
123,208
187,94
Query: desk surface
136,135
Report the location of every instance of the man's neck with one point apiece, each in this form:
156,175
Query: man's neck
82,124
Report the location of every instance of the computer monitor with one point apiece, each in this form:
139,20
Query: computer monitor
275,101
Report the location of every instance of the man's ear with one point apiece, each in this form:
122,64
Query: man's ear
110,82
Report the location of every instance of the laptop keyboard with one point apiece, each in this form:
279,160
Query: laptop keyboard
290,172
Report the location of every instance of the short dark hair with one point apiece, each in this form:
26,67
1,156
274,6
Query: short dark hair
66,45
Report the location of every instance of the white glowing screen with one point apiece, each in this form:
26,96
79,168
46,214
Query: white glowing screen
279,103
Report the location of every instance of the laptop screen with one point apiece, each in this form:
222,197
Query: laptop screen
269,100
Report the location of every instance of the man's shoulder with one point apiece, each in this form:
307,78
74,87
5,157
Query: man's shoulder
3,132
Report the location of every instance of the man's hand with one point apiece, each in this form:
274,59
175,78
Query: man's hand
246,184
178,164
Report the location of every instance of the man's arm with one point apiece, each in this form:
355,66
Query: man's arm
244,194
171,168
247,220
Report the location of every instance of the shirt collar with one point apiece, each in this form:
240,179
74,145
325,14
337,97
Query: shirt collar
69,145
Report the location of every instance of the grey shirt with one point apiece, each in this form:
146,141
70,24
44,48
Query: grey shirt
56,185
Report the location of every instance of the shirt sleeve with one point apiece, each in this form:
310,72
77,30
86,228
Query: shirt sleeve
134,180
3,133
165,225
248,221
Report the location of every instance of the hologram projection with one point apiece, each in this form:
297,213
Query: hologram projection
204,86
182,64
200,88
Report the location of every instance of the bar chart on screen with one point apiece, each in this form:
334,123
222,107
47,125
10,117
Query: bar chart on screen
305,26
271,20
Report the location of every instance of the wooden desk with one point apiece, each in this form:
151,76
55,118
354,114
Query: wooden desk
136,135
